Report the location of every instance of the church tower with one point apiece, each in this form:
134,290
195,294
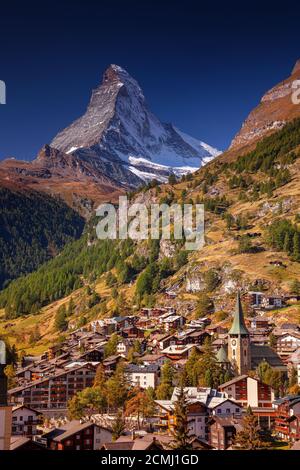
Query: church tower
239,352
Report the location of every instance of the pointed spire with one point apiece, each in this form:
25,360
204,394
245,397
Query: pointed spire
221,355
238,326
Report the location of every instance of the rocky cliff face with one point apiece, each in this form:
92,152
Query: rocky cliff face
118,128
275,109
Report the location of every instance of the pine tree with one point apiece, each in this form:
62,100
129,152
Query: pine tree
295,287
61,323
287,243
181,432
248,438
165,388
71,307
296,246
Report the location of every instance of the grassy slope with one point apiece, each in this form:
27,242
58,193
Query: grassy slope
218,250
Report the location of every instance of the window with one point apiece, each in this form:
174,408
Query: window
237,410
227,410
219,410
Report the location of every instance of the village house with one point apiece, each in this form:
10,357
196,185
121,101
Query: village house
222,431
143,376
272,302
177,352
287,343
254,299
249,391
76,435
287,409
202,403
157,359
25,421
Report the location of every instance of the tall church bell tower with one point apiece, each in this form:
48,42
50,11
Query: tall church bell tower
239,352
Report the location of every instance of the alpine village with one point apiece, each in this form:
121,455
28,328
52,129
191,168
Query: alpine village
143,345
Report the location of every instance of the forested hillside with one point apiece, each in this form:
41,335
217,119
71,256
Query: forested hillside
33,228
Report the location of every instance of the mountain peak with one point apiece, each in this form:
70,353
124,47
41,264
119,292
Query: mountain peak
296,67
119,133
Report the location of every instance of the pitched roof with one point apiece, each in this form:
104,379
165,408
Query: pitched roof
260,353
238,326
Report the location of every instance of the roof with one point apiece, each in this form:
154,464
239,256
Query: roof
59,434
233,381
261,352
18,442
140,369
238,326
21,406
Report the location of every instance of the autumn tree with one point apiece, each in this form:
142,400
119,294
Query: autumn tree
10,373
100,379
140,405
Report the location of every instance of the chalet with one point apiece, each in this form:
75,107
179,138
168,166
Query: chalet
259,322
285,409
259,336
25,421
173,322
197,415
176,352
111,362
249,391
287,343
272,302
222,430
191,336
132,331
156,359
78,436
254,299
202,402
143,376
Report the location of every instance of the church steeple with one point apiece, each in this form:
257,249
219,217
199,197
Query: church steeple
238,326
239,350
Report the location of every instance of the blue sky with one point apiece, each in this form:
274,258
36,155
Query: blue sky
201,67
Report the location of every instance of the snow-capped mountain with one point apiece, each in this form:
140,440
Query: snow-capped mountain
119,131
